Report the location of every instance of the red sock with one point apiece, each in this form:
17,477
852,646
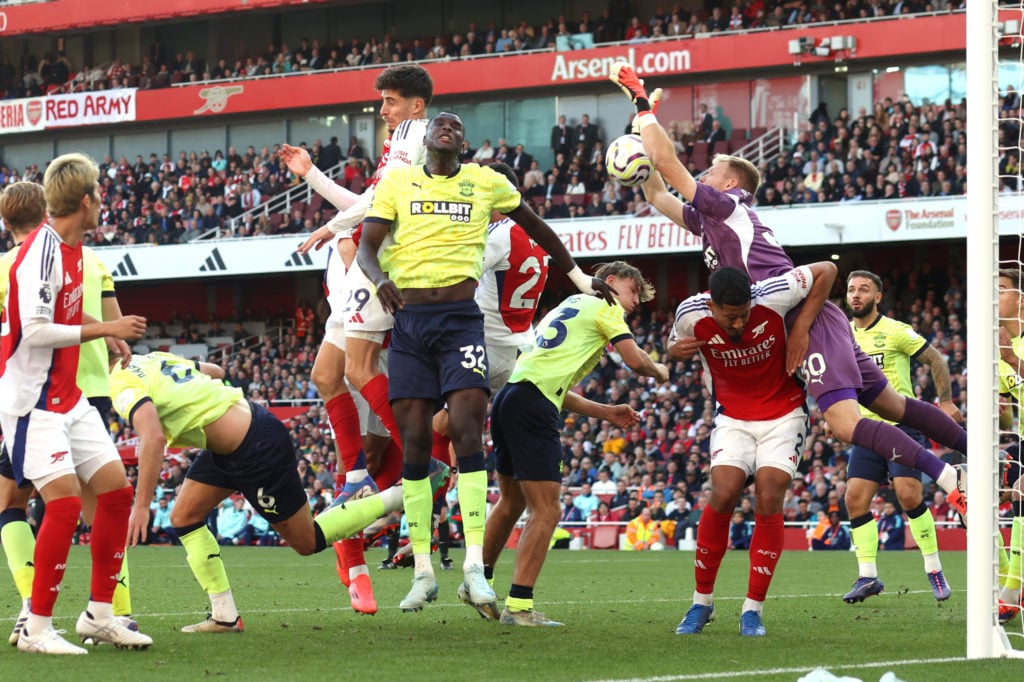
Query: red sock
109,530
440,448
712,540
344,418
339,553
390,471
52,546
765,549
376,393
353,550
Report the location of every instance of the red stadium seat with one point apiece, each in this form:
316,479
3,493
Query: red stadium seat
720,147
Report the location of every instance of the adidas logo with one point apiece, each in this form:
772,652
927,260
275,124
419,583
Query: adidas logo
214,263
298,260
356,319
126,268
716,339
67,279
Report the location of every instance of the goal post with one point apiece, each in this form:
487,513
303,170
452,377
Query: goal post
985,637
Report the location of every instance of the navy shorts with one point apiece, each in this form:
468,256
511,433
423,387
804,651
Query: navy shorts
436,349
525,430
1011,469
262,469
102,404
869,465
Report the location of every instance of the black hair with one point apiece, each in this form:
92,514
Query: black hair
409,80
729,286
866,274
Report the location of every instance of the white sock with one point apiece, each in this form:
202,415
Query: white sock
356,475
223,607
422,563
867,570
703,599
932,563
751,605
100,610
474,555
361,569
36,624
947,480
1010,595
392,498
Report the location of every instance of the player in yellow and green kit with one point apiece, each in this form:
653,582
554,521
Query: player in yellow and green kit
435,219
1011,385
892,345
173,401
525,422
23,208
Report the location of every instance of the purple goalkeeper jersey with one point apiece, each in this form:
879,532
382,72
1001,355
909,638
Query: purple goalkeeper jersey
733,236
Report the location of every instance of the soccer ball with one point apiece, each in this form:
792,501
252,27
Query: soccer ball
627,161
657,547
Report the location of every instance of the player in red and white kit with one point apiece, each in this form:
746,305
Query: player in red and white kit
514,275
358,325
761,420
53,435
838,374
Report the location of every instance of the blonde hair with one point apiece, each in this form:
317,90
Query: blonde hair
747,175
68,178
624,270
23,206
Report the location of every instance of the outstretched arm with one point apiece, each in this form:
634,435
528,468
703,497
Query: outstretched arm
622,416
542,233
639,361
656,141
658,196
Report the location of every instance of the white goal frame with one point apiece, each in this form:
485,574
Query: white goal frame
985,637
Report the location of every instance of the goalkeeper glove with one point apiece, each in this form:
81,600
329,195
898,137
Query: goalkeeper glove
623,75
655,99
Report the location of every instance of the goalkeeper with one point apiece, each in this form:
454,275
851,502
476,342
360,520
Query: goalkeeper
1011,363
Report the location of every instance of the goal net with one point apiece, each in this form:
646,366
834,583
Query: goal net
995,625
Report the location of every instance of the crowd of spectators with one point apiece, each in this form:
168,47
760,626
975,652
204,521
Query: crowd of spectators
30,75
612,475
898,150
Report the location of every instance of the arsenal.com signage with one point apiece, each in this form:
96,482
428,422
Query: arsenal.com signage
63,111
852,223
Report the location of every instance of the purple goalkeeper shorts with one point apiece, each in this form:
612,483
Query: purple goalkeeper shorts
835,367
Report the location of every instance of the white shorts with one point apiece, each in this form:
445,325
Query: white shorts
369,422
501,360
362,311
44,446
334,278
750,445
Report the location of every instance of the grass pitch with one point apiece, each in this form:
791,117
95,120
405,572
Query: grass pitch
620,608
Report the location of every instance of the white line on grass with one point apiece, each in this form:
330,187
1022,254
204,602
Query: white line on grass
783,671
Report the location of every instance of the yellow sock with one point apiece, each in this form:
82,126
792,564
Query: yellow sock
473,503
20,547
1014,571
419,512
348,519
519,604
204,560
122,591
